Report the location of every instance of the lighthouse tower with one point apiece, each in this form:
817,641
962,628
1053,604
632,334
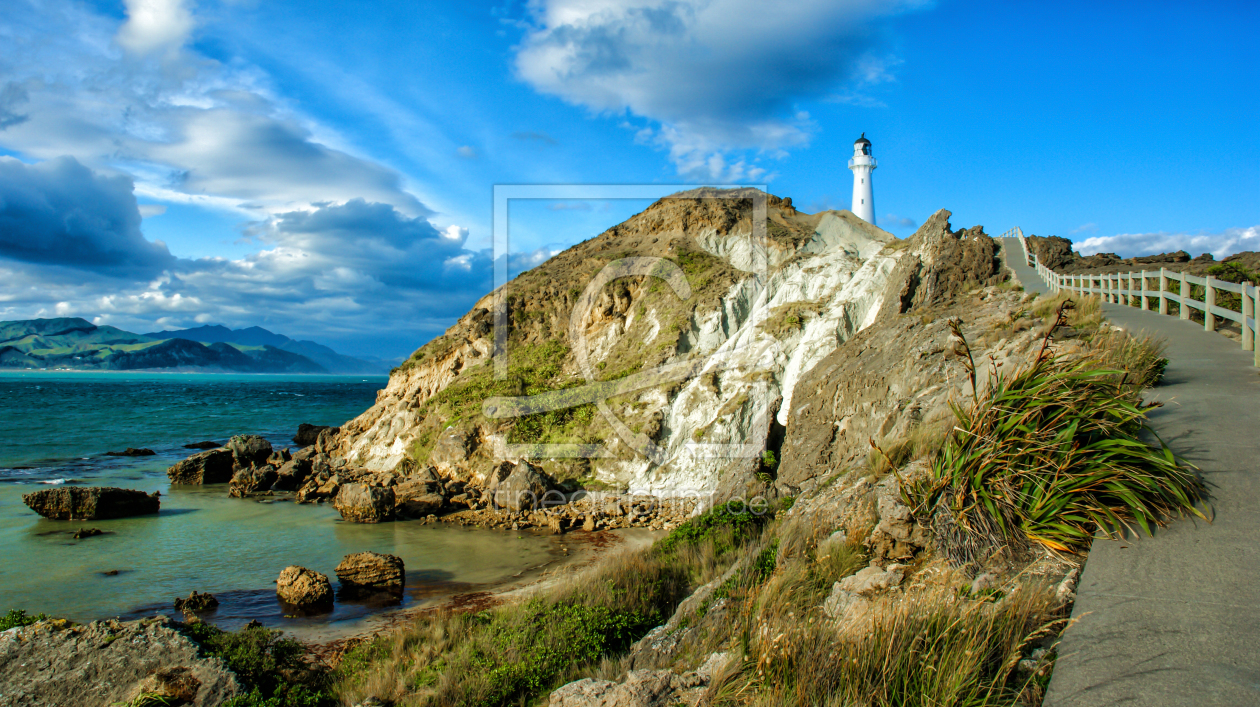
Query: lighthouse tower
862,165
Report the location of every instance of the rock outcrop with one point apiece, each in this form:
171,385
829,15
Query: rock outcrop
361,503
371,570
308,434
55,664
249,450
643,688
91,503
305,589
524,489
213,466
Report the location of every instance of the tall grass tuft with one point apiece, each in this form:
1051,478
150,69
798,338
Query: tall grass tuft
1050,455
927,649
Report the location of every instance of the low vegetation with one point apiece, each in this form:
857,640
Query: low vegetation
273,670
517,653
18,617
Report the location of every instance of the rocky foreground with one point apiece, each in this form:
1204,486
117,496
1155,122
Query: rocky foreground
55,664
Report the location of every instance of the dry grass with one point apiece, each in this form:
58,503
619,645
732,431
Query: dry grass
930,647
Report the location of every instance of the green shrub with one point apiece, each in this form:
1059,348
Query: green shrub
728,525
273,669
18,617
1050,455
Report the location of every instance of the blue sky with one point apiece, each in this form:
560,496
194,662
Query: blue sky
327,170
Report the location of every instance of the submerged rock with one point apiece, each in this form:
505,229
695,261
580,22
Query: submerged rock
91,503
360,503
87,533
210,467
203,445
304,588
132,452
108,662
371,570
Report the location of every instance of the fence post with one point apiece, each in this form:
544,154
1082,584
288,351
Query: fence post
1146,300
1248,310
1182,310
1209,299
1163,290
1255,310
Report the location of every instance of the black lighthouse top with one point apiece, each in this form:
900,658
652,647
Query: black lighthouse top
866,144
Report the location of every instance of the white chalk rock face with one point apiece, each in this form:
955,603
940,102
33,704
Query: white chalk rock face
760,317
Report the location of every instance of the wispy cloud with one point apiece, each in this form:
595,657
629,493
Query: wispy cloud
1085,228
715,81
535,136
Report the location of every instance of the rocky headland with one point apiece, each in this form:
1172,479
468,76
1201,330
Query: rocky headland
776,409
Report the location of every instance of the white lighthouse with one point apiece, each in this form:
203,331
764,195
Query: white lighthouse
862,165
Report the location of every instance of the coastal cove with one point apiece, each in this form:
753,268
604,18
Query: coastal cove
59,427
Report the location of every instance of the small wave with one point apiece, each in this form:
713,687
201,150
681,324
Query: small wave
54,481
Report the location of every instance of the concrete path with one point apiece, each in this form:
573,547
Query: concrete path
1174,619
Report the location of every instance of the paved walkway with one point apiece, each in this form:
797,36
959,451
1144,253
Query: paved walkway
1175,619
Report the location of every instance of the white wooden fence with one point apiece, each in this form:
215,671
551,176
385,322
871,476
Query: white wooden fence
1126,288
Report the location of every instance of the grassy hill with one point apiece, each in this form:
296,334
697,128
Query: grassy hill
72,342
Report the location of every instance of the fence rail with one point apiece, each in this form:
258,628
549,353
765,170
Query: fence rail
1126,288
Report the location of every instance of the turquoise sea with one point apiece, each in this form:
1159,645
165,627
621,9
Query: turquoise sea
55,428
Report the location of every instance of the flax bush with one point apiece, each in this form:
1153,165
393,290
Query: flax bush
1050,455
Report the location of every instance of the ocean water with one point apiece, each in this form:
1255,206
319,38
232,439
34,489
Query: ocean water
55,428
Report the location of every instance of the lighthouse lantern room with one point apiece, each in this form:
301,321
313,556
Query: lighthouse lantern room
862,164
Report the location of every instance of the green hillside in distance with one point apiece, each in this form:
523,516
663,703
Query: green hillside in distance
75,343
258,337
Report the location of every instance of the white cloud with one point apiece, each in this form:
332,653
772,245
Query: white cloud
1220,245
151,210
718,75
155,24
186,129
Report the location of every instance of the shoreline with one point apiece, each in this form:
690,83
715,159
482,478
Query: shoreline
331,645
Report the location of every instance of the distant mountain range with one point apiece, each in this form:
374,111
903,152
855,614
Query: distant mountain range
71,342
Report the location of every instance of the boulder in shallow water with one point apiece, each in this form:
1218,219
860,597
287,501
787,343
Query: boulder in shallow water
360,503
87,533
303,588
91,503
197,602
210,467
371,570
203,445
249,450
416,498
252,480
